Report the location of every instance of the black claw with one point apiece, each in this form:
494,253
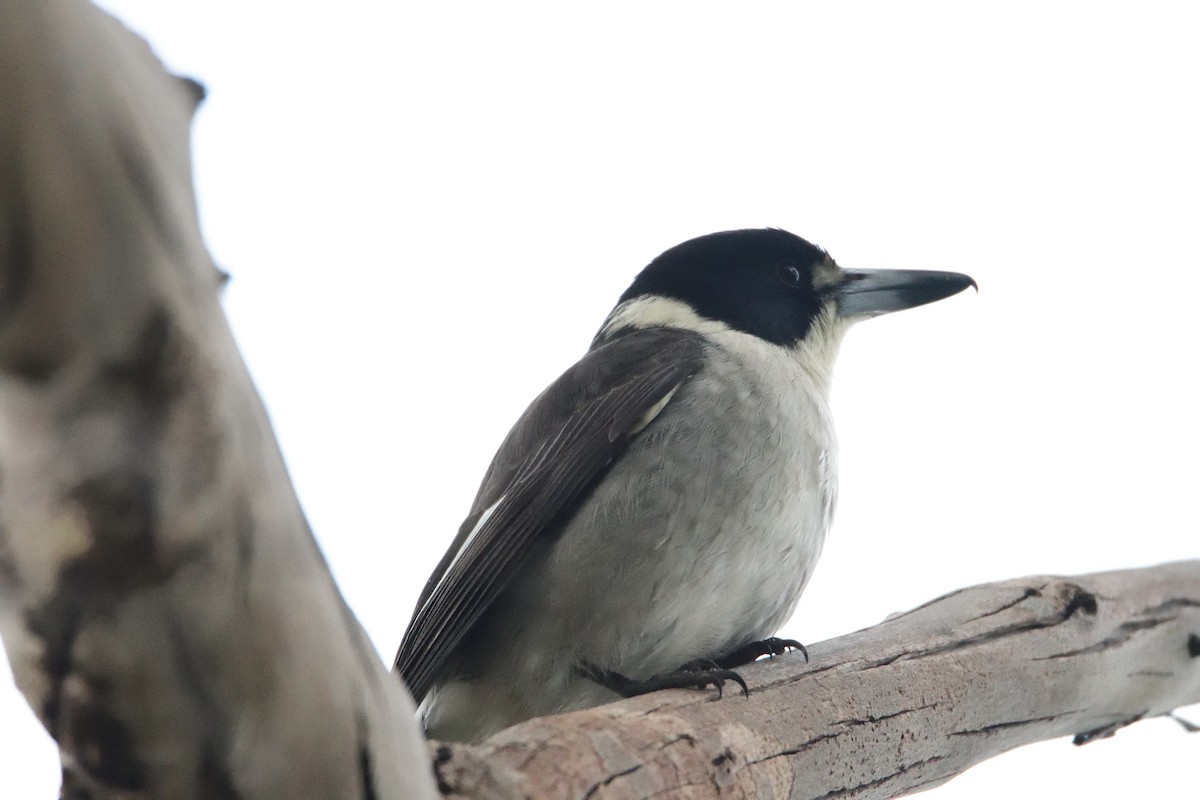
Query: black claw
689,677
699,673
772,646
790,644
700,678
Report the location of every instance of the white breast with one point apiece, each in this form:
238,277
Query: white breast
704,534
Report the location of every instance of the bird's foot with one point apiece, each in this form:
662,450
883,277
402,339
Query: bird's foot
747,654
688,676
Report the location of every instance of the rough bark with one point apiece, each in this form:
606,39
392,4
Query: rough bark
162,602
896,708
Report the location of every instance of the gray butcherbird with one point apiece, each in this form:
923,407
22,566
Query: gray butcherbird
662,503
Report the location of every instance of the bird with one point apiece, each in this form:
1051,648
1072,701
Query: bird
653,516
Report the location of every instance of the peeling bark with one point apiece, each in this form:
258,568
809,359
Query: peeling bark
162,603
893,709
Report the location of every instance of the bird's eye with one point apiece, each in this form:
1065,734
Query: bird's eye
789,274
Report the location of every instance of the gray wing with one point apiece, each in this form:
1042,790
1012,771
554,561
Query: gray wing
562,445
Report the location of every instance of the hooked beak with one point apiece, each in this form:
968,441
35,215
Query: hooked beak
871,292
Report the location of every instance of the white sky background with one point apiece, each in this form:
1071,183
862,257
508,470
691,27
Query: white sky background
428,209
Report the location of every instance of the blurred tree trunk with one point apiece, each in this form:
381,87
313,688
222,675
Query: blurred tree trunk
162,602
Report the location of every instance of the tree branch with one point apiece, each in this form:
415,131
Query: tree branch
162,603
893,709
